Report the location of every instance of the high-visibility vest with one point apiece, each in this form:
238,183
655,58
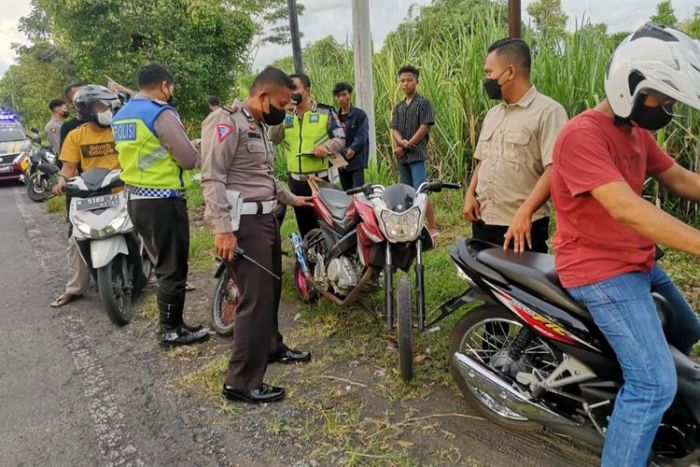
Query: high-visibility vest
145,162
302,135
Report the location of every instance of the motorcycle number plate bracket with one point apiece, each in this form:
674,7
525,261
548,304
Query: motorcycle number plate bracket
98,202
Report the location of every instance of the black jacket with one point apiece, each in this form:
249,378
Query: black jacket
356,138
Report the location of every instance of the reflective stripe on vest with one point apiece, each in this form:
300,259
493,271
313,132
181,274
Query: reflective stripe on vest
302,136
145,162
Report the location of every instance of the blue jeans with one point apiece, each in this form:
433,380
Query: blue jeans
413,173
623,309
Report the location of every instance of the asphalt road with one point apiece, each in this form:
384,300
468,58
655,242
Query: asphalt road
73,391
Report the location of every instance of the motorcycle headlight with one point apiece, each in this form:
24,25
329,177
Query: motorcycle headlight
120,222
401,227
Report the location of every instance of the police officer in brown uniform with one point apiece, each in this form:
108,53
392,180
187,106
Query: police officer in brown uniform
241,195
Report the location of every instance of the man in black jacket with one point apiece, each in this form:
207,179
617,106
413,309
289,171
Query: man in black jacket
356,128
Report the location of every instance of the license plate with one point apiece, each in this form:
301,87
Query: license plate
98,202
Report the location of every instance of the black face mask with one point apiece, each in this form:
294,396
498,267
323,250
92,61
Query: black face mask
296,97
275,116
491,86
650,118
65,114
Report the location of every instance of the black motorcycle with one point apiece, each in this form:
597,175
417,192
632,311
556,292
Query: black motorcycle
42,173
530,355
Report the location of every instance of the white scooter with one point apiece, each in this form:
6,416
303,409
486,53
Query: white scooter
108,243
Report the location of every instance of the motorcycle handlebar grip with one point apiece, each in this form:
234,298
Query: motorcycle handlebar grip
359,189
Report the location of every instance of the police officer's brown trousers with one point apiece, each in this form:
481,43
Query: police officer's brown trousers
256,333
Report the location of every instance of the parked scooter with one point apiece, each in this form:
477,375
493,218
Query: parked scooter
530,355
42,173
108,243
359,245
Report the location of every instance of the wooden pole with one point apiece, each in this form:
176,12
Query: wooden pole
514,18
296,38
364,81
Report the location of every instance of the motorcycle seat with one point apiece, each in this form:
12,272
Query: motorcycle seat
535,272
337,201
686,367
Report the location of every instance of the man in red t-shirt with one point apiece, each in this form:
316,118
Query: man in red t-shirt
606,231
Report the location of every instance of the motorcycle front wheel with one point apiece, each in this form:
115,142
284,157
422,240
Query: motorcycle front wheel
39,191
114,287
485,335
405,328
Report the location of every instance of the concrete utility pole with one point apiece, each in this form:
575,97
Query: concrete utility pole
514,18
364,80
296,38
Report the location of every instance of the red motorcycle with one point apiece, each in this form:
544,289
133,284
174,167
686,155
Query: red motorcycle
362,240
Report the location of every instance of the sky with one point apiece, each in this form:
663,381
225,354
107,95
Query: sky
333,17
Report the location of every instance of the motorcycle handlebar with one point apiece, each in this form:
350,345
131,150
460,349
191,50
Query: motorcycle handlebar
359,189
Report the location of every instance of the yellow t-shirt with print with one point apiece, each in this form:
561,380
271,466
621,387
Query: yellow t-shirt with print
91,147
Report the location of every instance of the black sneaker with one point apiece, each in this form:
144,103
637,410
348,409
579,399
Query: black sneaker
178,336
265,393
290,356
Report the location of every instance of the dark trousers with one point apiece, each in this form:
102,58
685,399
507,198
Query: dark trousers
353,179
495,234
256,333
306,218
165,228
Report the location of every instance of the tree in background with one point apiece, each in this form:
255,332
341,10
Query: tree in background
665,16
549,18
204,42
271,20
692,26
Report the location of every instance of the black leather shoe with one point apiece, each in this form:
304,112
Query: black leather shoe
290,356
178,336
193,327
265,393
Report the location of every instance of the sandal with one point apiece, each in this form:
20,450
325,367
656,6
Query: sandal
64,299
189,287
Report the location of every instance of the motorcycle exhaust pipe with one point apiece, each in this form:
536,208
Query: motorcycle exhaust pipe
488,382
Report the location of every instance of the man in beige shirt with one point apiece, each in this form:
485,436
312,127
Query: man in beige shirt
241,195
506,199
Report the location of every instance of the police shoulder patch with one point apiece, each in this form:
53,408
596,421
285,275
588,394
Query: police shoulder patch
223,131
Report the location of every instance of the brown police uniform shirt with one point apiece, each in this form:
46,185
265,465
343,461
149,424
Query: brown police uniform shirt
53,133
236,155
514,148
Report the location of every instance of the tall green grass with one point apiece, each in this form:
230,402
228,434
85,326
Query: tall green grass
570,72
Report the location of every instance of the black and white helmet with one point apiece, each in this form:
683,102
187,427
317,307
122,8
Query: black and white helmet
88,96
653,58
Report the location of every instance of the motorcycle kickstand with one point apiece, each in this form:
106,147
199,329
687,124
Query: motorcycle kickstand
370,312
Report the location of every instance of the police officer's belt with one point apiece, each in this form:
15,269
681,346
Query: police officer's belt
258,207
305,177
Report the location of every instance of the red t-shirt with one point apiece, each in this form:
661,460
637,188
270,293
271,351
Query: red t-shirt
591,151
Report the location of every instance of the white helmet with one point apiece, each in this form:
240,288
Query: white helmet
653,58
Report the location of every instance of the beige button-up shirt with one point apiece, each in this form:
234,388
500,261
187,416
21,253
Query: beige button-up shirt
514,148
236,155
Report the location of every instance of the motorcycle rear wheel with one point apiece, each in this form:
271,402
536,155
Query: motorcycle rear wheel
465,334
115,291
226,300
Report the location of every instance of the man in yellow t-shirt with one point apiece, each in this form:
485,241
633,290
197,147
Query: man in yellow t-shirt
89,146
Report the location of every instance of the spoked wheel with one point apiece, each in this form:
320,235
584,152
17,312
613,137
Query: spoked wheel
226,300
39,190
313,245
405,328
114,287
485,334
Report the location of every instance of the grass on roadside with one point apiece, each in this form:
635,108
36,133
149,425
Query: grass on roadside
56,205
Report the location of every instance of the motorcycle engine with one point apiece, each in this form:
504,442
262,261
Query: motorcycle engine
343,274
